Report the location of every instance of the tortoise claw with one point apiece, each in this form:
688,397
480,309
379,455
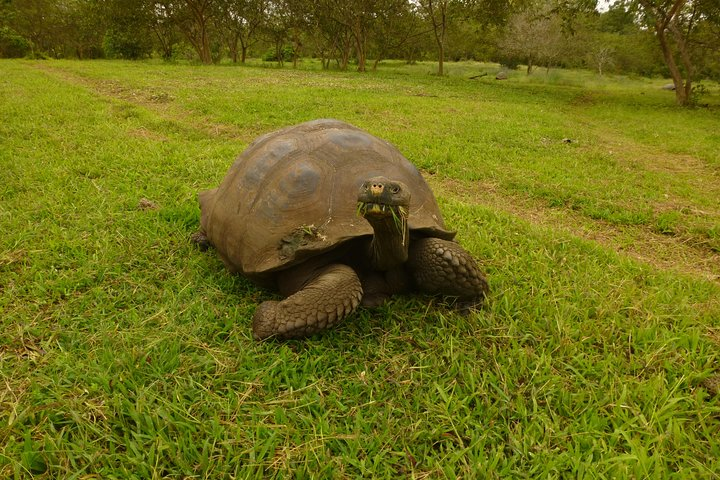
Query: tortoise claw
201,240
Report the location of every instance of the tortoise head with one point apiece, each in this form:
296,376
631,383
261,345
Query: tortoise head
385,204
382,198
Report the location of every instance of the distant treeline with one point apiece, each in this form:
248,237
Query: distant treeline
633,36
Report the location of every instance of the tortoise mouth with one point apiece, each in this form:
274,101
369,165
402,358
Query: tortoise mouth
381,210
380,197
383,216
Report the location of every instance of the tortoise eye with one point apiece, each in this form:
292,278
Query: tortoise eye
394,189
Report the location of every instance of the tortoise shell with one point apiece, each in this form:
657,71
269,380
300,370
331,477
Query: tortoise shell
292,194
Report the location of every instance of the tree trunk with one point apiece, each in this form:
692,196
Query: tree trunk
244,45
665,20
681,96
361,60
165,46
233,47
201,40
206,57
439,30
360,40
686,61
441,58
279,54
297,45
344,58
529,65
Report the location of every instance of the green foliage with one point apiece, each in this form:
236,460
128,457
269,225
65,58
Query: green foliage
128,45
126,352
699,90
617,19
12,44
344,33
271,54
127,35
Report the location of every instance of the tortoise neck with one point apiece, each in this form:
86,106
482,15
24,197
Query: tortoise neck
389,245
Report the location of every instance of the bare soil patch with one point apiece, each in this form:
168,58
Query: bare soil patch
675,253
699,174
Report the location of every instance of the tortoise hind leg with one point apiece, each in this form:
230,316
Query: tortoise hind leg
441,266
201,240
326,298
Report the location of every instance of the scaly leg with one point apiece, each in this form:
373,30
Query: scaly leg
328,297
441,266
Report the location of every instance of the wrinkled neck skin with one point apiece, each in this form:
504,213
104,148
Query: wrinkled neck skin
389,246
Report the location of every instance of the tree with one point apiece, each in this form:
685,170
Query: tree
613,40
601,55
676,25
241,21
128,31
707,42
534,36
517,43
444,15
194,17
161,15
396,24
83,24
58,28
276,28
357,16
333,38
436,12
667,18
299,21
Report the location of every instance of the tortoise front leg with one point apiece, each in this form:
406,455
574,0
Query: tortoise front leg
441,266
328,297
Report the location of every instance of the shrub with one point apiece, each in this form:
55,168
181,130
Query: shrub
271,55
125,44
13,45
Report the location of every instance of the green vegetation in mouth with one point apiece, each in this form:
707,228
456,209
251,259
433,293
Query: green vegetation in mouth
399,215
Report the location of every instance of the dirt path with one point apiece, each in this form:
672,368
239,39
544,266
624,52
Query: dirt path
676,253
159,101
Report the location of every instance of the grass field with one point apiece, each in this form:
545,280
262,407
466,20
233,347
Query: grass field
593,204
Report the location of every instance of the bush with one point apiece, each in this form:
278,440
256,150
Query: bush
183,52
271,55
128,45
510,62
13,45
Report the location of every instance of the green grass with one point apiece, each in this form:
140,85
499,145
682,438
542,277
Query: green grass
127,353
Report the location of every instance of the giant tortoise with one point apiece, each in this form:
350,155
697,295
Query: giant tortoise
332,217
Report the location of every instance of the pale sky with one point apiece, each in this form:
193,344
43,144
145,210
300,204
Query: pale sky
602,5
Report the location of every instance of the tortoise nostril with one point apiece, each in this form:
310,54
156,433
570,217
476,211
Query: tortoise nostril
377,188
